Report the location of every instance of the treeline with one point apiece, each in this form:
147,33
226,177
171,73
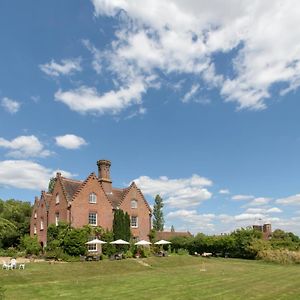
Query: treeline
14,222
242,243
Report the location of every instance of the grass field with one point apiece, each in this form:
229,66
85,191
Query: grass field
174,277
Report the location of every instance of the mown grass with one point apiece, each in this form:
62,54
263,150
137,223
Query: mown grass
175,277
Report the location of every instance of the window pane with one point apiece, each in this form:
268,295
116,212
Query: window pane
133,204
93,218
134,221
93,198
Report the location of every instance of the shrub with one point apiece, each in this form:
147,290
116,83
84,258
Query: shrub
182,252
282,256
30,245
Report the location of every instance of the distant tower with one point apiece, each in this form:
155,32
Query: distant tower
104,174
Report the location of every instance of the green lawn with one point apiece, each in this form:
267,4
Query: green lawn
175,277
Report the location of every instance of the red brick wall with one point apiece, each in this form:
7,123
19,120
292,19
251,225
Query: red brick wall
61,208
142,212
41,214
81,207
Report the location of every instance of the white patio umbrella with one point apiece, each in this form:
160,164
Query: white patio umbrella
119,242
143,243
95,241
162,242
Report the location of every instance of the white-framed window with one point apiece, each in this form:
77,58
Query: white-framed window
57,199
93,218
133,204
92,198
35,214
134,221
92,247
34,229
56,218
42,225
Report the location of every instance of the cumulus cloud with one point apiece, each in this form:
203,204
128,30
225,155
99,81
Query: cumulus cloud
88,100
11,106
242,197
25,174
182,192
224,192
24,146
183,36
192,220
291,200
65,67
259,201
70,141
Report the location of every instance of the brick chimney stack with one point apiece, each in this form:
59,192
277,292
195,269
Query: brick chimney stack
104,174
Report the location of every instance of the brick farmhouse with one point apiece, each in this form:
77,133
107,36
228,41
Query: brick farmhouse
92,201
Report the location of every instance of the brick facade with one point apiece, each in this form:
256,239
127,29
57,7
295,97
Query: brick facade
74,201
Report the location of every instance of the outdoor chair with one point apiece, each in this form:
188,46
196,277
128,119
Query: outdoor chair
13,263
21,266
6,266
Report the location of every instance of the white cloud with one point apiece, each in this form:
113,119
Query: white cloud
97,56
11,106
191,220
182,37
25,174
259,201
88,100
189,95
291,200
182,192
263,210
242,197
24,146
65,67
224,192
70,141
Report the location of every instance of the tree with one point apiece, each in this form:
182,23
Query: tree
51,184
172,229
121,225
14,221
158,216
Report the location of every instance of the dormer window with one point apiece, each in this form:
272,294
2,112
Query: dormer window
57,199
92,198
133,204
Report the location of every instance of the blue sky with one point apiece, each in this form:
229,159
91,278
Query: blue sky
195,100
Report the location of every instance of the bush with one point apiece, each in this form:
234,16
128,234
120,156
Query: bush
282,256
128,254
182,252
30,245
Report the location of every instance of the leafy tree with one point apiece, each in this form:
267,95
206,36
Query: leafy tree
51,184
172,229
14,221
158,216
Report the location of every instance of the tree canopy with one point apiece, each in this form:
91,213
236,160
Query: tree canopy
158,215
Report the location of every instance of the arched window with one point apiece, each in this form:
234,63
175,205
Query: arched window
35,214
92,198
57,199
133,203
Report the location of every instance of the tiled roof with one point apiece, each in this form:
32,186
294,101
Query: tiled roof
167,235
70,186
116,196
